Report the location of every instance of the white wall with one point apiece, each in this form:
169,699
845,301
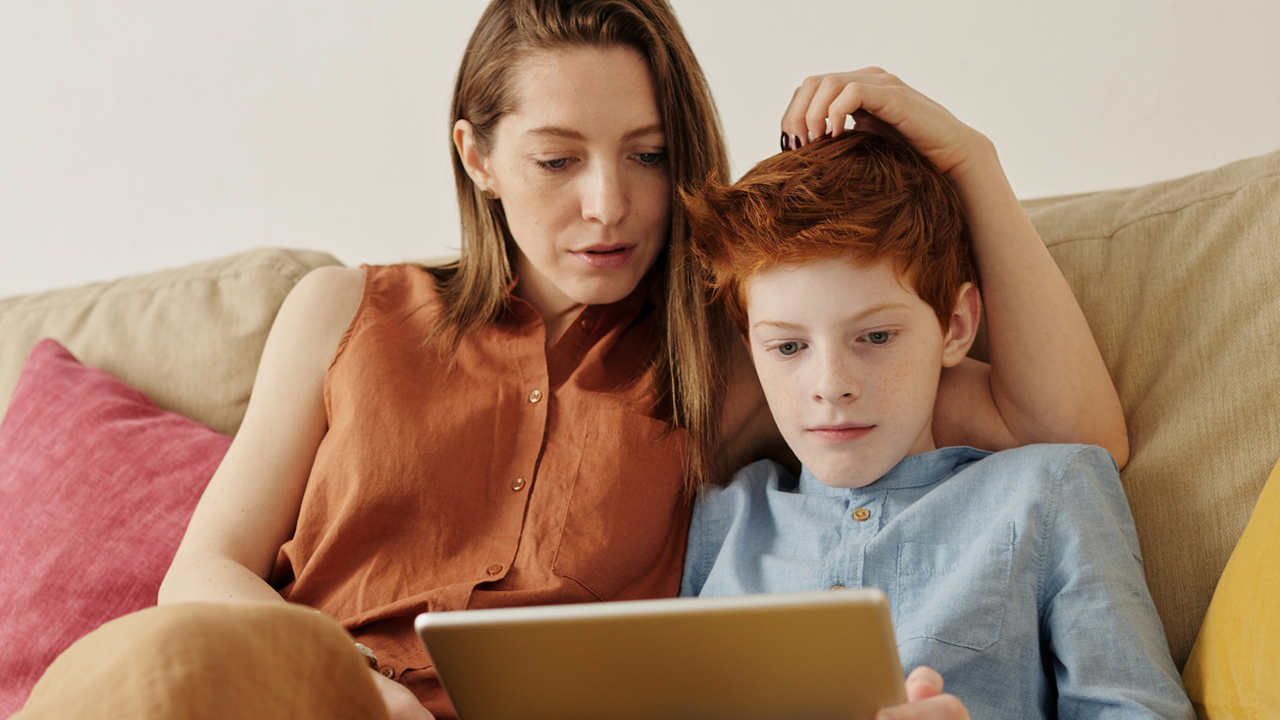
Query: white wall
139,134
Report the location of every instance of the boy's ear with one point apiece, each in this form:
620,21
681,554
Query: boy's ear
473,161
964,325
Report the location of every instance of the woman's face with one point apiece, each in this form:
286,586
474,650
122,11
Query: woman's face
581,170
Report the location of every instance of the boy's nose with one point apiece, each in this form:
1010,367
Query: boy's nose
836,383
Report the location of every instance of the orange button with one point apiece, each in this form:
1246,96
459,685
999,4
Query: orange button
861,514
494,569
535,397
518,485
587,324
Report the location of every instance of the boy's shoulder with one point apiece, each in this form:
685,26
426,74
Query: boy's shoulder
1048,458
1043,469
755,479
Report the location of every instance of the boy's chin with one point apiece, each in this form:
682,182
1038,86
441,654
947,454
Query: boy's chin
841,472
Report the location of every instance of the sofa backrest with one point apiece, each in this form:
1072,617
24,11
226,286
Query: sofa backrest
1180,281
190,338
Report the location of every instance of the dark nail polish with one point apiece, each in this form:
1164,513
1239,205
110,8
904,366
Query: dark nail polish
795,140
786,142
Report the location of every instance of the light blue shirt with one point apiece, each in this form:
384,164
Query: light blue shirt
1016,574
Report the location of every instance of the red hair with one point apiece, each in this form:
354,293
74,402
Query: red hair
864,196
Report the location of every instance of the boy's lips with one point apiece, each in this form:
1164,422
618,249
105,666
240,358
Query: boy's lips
845,432
605,257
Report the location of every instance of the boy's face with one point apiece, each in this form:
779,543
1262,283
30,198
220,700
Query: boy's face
850,360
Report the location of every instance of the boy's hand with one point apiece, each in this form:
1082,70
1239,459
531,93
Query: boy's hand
822,102
925,699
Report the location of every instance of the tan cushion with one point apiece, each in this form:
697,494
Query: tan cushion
189,338
1180,282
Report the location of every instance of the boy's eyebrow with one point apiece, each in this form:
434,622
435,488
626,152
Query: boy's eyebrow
570,134
852,318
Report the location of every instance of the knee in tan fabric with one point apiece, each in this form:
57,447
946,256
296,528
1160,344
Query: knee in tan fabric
201,660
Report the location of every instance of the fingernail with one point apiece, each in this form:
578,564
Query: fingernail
795,142
786,142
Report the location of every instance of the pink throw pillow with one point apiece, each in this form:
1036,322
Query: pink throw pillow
97,485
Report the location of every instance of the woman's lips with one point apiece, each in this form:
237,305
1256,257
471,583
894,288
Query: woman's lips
841,433
606,257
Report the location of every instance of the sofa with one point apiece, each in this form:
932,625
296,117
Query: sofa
1180,281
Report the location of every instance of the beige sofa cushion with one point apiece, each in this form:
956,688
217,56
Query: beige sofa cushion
189,338
1181,284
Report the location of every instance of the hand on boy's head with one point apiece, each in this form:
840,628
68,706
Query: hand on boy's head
824,102
925,700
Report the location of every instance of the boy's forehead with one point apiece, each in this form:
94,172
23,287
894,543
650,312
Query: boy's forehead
878,278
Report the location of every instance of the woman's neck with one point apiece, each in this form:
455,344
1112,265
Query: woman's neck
558,310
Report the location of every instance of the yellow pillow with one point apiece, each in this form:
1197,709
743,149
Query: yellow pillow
1234,668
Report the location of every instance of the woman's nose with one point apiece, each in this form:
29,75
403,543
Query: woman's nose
605,198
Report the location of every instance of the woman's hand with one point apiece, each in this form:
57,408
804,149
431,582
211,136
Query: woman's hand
925,699
822,102
401,704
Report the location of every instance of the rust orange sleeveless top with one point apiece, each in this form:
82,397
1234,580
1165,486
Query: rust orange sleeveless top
517,477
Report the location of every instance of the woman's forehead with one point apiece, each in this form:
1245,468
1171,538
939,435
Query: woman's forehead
582,88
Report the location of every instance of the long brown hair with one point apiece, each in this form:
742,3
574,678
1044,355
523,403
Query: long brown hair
474,290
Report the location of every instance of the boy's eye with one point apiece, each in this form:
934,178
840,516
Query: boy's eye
879,337
790,348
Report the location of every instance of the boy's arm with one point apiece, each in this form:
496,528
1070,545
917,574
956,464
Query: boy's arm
1046,381
1109,653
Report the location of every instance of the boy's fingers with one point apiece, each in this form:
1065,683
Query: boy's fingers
923,683
939,707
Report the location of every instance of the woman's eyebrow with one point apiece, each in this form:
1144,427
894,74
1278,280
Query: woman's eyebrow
571,134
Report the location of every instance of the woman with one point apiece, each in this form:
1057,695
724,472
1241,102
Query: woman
523,427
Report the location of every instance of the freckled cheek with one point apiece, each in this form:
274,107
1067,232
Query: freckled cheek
903,384
785,396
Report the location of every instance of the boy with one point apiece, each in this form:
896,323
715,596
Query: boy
1016,575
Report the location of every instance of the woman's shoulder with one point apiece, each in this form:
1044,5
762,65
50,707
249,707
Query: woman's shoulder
316,313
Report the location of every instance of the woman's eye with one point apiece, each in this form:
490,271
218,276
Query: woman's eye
878,337
788,349
652,158
556,164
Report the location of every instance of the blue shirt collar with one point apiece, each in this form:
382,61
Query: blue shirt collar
912,471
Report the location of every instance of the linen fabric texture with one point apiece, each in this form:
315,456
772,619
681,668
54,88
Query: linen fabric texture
1235,665
513,476
1016,575
96,486
211,661
1178,281
188,338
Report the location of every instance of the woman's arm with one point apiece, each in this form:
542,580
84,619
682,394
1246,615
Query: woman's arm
250,507
1046,381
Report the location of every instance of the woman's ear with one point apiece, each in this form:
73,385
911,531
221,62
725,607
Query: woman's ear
474,162
964,325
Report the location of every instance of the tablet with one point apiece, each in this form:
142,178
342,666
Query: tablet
810,656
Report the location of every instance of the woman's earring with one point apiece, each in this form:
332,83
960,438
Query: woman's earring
487,193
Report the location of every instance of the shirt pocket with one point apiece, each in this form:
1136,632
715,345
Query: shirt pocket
627,517
956,592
